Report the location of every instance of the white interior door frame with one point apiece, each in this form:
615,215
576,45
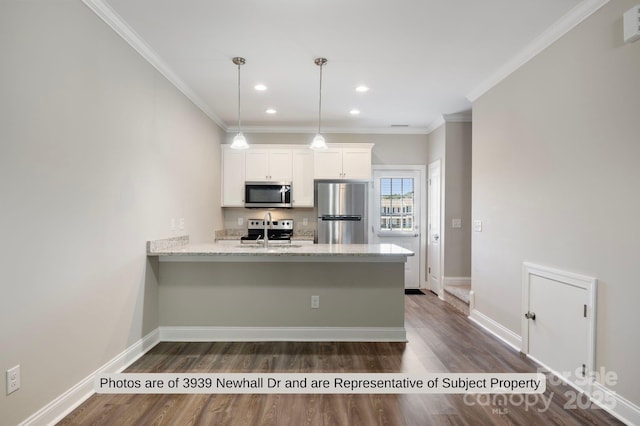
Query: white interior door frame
439,163
422,170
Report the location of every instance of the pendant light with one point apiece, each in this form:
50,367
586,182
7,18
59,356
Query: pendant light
239,141
318,141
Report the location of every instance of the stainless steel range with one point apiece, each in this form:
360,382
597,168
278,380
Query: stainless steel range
278,230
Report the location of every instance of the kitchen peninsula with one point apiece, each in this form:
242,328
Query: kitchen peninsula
248,292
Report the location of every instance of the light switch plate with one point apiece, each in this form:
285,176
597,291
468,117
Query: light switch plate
477,225
456,223
13,379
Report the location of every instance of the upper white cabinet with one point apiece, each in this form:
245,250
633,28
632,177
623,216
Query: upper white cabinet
343,162
232,177
291,163
302,180
266,164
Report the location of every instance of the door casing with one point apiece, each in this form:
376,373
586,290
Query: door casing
423,211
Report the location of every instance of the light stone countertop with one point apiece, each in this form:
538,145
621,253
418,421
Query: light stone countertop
182,250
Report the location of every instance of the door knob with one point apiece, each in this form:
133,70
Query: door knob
436,237
530,315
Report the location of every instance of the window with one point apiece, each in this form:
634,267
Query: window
396,204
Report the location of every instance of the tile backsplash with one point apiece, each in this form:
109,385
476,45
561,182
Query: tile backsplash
303,218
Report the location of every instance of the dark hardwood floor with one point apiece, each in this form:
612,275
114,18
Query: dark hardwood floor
440,340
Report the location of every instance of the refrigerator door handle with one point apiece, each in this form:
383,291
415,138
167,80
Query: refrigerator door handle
341,217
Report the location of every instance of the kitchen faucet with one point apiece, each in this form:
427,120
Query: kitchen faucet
267,224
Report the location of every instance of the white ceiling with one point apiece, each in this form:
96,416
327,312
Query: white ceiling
420,58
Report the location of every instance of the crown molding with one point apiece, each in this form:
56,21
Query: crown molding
111,18
461,117
334,130
574,17
435,124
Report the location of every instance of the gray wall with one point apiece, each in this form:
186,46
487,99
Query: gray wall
457,203
451,144
556,182
276,294
388,149
98,153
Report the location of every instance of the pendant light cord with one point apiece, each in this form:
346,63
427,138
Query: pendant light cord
239,117
320,101
320,62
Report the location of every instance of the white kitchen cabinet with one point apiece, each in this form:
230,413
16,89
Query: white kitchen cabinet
296,164
356,163
263,165
344,162
233,162
327,164
302,177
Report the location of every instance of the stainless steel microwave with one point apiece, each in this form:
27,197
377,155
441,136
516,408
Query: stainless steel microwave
267,194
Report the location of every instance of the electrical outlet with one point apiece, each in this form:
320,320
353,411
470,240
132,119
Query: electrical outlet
182,223
13,379
315,302
173,224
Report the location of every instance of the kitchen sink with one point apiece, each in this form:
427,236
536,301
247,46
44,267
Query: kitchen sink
271,246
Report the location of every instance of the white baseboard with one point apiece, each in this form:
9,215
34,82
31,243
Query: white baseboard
456,281
72,398
53,412
497,329
614,404
297,334
626,411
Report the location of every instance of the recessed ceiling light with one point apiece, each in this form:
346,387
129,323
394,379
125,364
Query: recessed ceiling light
260,87
354,112
362,89
271,111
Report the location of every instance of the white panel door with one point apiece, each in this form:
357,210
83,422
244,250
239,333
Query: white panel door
558,324
396,216
435,237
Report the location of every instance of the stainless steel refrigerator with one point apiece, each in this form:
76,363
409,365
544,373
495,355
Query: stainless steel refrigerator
342,207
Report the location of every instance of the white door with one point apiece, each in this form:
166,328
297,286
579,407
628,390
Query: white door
396,215
435,234
559,321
